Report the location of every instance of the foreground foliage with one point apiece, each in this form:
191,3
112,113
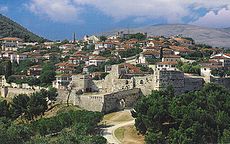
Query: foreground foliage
65,128
196,117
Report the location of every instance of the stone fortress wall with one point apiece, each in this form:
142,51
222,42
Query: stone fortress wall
107,102
116,93
113,92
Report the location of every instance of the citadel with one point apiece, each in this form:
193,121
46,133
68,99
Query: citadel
117,80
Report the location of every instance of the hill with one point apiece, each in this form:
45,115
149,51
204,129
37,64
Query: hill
211,36
9,28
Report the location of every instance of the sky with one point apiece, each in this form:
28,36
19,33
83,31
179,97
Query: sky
59,19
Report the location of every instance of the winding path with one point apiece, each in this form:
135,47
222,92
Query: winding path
108,132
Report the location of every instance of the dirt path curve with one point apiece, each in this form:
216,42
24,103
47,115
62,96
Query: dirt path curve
108,133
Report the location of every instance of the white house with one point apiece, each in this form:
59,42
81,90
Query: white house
18,57
96,60
62,81
166,65
91,39
11,43
148,54
171,58
67,46
105,45
223,58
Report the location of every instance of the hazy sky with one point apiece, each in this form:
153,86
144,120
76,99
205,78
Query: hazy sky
58,19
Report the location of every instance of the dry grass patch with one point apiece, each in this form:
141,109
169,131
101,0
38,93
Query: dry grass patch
119,133
129,135
117,117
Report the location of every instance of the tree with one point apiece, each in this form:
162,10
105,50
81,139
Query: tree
47,77
195,117
103,38
37,105
226,137
19,105
5,68
52,94
4,109
65,41
47,74
18,134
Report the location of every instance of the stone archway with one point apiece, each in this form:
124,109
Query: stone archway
121,104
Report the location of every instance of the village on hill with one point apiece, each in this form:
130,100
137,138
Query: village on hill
126,57
108,73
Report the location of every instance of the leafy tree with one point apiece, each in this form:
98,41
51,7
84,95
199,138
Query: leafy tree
103,38
37,105
195,117
65,41
226,137
89,48
22,67
152,60
18,134
106,53
193,68
33,81
19,105
47,74
5,68
4,109
52,94
130,52
138,36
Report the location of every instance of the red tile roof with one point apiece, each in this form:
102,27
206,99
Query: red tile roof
11,39
131,68
167,63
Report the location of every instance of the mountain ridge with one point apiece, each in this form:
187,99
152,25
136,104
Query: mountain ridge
10,28
217,37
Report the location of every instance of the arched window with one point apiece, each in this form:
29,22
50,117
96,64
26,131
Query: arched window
141,82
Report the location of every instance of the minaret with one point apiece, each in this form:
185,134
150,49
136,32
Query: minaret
74,37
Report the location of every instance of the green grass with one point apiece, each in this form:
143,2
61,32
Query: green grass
68,108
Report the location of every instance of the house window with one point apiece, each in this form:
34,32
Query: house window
126,82
205,69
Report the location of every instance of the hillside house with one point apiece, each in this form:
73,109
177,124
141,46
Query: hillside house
104,45
96,60
91,39
181,50
11,43
166,65
171,58
18,57
149,54
65,68
62,81
34,70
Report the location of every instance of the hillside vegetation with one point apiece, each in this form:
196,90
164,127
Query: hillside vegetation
196,117
9,28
